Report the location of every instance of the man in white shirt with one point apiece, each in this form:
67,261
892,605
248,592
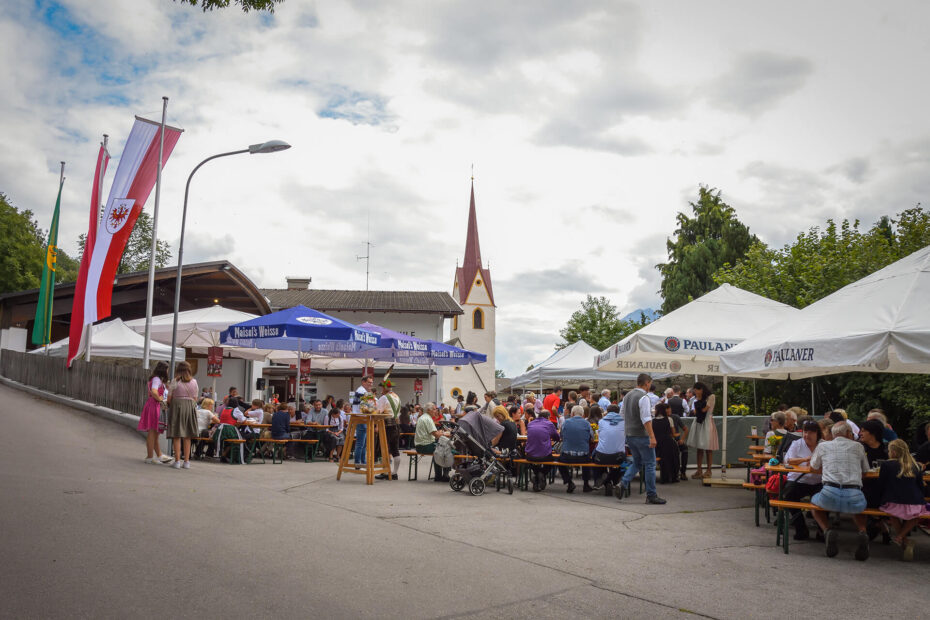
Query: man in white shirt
253,416
361,431
389,404
604,401
841,463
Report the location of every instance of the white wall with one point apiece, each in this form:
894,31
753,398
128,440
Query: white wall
14,339
233,375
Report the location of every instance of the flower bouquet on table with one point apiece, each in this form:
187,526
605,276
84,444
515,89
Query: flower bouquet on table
368,404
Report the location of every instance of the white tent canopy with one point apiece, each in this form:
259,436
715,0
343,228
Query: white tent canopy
114,339
880,323
691,339
569,365
199,329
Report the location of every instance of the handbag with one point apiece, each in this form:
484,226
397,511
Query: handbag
162,418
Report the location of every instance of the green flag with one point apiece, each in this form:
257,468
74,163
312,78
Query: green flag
42,330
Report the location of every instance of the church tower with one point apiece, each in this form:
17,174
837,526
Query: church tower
475,329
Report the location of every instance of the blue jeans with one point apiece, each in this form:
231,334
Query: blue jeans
643,455
361,431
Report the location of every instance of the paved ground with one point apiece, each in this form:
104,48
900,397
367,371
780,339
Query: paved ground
88,530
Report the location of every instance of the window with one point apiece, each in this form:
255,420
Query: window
455,323
478,281
477,319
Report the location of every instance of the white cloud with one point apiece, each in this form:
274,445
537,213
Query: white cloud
590,125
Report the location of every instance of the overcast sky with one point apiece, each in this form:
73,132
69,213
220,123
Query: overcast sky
590,125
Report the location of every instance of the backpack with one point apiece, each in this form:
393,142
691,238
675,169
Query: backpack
443,456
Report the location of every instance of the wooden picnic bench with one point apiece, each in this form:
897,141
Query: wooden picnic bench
782,522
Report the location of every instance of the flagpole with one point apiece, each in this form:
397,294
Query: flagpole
88,331
50,301
150,295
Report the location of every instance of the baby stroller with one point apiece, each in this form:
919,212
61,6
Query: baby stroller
476,473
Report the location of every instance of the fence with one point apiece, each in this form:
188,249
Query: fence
102,383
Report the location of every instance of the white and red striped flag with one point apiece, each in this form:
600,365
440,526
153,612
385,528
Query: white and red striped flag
106,240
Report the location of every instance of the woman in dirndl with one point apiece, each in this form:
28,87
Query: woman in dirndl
703,435
182,414
151,411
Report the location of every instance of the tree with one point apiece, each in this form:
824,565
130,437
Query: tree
598,324
499,374
819,262
246,5
138,247
702,244
22,251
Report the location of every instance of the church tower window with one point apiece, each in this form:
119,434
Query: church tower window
477,319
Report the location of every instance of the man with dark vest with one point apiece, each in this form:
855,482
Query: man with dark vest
637,417
389,404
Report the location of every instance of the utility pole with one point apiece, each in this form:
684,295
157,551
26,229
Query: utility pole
367,257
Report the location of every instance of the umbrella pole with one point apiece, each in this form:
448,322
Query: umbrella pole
723,453
297,383
812,397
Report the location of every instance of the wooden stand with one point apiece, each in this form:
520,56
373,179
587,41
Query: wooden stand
375,424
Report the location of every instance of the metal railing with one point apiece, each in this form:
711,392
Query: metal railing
117,386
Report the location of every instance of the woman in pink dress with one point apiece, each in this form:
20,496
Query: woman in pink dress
148,421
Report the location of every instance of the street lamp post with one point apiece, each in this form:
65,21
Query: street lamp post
272,146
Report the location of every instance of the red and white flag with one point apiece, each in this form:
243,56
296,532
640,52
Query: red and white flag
106,239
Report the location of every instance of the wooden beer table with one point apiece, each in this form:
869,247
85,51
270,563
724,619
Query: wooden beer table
375,424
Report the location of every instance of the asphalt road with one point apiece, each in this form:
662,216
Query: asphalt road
89,530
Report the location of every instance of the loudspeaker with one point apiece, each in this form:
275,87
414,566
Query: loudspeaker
260,383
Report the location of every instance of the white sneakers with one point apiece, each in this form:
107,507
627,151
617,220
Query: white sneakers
152,461
186,465
176,465
165,458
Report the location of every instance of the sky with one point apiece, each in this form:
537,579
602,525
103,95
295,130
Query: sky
590,125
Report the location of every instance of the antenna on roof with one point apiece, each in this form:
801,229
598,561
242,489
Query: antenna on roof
367,257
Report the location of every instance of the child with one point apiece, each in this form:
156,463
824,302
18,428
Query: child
902,494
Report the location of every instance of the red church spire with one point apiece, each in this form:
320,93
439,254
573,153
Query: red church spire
471,266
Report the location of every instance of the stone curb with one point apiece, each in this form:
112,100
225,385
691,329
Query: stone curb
126,419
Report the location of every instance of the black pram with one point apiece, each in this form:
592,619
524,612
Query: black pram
483,469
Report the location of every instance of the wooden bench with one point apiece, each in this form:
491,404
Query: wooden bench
413,464
761,500
782,522
523,478
756,448
277,446
236,442
309,445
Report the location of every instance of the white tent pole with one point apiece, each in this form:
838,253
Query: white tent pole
723,454
813,409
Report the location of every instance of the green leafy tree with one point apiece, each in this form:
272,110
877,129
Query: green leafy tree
598,323
701,245
499,374
819,262
245,5
138,247
22,252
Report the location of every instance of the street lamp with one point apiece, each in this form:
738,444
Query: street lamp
271,146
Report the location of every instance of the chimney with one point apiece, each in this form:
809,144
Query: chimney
298,284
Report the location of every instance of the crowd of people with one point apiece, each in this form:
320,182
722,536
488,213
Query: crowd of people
625,431
838,453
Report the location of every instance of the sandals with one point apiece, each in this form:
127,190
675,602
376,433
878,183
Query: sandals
708,474
697,475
